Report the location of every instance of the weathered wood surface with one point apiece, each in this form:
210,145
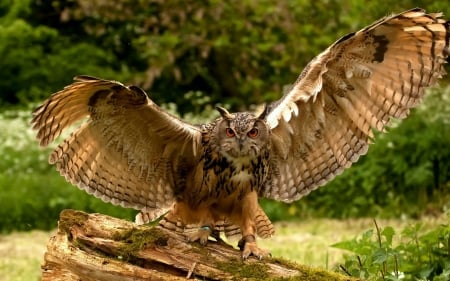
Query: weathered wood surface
98,247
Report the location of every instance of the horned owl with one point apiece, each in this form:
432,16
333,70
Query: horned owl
207,178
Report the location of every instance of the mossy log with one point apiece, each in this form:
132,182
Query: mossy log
98,247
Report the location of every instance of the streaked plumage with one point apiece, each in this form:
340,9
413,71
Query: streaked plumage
132,153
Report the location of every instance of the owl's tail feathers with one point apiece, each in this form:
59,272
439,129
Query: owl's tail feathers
231,231
264,227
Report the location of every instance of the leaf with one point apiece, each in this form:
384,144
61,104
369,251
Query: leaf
412,231
346,245
388,232
426,272
379,256
363,246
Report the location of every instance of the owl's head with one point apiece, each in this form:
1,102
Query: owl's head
241,134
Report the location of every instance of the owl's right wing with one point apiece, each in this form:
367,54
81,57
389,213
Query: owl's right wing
126,151
326,121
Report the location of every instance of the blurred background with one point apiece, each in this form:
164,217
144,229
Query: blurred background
190,56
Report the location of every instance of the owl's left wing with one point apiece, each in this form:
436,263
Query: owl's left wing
362,81
128,151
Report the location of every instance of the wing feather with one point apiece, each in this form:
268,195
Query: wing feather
128,150
326,121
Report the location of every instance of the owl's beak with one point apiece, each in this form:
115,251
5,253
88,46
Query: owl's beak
241,143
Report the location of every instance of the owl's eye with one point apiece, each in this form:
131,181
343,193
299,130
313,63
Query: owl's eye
229,132
253,133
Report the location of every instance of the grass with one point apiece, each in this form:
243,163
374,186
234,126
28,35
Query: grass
307,242
21,255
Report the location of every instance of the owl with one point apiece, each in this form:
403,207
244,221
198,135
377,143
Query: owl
207,179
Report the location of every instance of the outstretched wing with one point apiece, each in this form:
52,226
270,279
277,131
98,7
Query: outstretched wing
128,152
325,122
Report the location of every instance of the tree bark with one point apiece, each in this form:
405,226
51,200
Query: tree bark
99,247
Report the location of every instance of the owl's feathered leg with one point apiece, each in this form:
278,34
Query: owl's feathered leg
247,244
201,235
191,232
196,225
206,228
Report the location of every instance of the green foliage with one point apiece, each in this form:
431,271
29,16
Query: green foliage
382,254
230,51
37,60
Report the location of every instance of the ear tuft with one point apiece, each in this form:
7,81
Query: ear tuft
224,113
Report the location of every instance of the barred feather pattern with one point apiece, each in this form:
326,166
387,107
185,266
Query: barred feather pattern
326,121
264,227
123,153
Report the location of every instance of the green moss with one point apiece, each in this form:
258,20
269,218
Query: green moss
239,269
260,271
69,218
136,239
254,270
287,263
308,273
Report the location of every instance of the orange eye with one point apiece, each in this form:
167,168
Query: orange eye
229,132
253,133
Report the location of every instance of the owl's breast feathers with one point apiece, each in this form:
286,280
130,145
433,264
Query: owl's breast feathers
221,180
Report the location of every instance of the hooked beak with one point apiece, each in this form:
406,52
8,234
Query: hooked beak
241,143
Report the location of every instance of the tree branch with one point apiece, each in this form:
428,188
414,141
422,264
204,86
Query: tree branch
99,247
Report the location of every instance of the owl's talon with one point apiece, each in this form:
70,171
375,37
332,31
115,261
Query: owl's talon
249,248
200,235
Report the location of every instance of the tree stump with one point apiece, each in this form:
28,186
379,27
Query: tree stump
98,247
